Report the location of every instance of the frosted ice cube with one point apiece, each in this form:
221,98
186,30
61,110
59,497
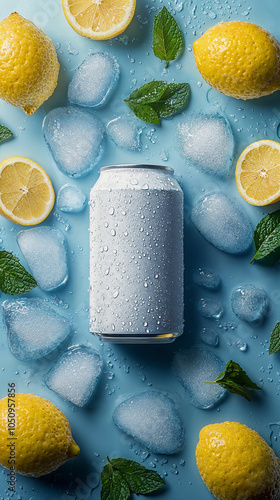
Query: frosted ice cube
219,218
209,337
45,251
75,375
194,367
210,308
207,143
250,303
152,419
34,328
125,131
207,278
94,80
75,139
71,199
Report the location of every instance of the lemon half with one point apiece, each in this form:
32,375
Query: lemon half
257,173
26,191
99,19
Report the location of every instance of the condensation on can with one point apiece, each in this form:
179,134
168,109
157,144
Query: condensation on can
136,255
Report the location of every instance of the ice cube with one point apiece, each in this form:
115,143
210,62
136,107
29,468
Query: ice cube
241,345
210,308
207,143
125,131
219,218
209,337
206,278
250,303
45,251
34,328
75,139
152,419
75,375
94,80
71,199
194,367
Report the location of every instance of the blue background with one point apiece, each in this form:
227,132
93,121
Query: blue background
131,369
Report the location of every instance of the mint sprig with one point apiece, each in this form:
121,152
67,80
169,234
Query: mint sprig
158,99
274,345
167,37
267,238
5,133
234,379
121,477
14,279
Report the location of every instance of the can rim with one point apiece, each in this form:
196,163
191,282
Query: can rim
139,166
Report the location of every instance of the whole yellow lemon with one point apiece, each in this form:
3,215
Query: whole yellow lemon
28,64
239,59
235,463
35,436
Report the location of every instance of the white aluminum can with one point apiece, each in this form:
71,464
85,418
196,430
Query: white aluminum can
136,255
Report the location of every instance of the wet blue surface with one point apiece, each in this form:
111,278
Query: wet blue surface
130,369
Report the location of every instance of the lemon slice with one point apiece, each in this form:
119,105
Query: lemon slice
257,173
26,191
99,19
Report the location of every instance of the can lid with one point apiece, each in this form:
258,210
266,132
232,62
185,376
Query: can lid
140,165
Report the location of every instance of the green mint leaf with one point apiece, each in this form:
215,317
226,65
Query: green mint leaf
14,279
274,345
140,480
113,485
121,477
149,92
167,37
174,98
145,112
158,99
235,380
5,133
267,237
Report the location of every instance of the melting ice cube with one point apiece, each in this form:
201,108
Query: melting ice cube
34,328
75,139
250,303
194,367
152,419
207,143
206,278
94,80
125,131
210,308
219,218
209,336
71,199
45,251
76,373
